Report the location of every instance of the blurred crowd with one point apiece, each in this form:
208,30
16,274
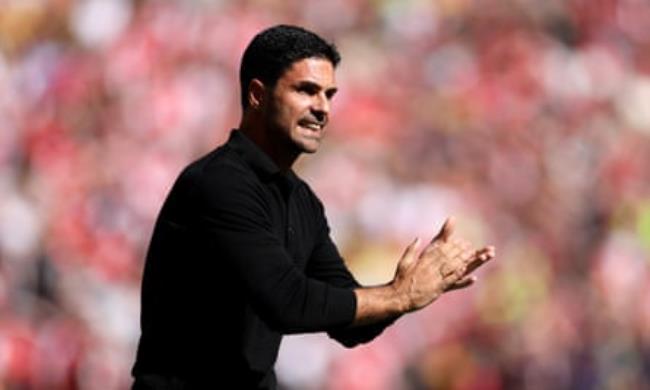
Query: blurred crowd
528,120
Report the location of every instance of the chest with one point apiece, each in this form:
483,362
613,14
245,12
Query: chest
294,222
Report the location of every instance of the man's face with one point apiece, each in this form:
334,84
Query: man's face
299,104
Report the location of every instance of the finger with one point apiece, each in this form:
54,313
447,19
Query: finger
451,251
467,257
468,254
460,242
446,230
462,283
459,252
482,254
479,260
455,246
491,250
448,258
451,247
487,253
447,270
409,257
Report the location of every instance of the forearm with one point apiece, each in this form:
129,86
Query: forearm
375,304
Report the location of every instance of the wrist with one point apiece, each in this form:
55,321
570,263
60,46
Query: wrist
401,299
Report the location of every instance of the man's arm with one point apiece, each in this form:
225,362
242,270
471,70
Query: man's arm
234,217
326,264
380,306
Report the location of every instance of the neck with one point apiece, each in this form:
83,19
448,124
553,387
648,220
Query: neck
277,148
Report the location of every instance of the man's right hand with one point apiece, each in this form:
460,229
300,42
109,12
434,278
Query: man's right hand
443,265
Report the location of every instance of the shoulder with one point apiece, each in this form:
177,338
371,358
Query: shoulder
218,177
216,183
221,180
221,168
221,162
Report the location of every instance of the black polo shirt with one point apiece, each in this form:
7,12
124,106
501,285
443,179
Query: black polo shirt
240,254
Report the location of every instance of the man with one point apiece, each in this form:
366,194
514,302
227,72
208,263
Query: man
241,253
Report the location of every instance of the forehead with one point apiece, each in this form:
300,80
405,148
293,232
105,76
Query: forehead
314,69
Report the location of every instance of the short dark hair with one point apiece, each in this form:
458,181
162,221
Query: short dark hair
274,50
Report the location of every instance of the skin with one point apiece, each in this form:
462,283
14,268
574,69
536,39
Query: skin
278,120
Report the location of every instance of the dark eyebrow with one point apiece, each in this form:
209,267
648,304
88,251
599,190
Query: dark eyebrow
312,85
331,92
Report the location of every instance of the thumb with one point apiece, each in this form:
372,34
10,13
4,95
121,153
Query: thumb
446,230
409,254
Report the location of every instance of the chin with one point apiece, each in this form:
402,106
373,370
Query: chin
307,149
311,147
307,146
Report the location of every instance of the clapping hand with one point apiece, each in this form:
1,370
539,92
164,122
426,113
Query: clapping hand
445,264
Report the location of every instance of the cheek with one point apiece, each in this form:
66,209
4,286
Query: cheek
289,109
296,106
279,114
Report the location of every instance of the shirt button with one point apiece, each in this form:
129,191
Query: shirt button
290,230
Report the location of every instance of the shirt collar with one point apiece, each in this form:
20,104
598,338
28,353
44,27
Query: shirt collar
259,161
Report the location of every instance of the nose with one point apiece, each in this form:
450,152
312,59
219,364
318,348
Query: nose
321,107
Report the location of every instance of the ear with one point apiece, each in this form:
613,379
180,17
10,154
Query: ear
256,92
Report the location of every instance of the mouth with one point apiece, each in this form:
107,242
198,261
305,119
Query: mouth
312,126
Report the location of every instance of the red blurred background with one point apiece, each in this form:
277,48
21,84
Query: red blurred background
528,120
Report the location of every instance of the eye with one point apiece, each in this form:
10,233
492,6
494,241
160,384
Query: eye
307,89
